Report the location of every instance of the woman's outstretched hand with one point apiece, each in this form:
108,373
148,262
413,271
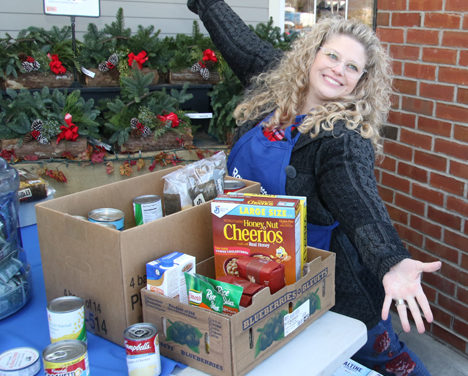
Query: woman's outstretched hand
402,284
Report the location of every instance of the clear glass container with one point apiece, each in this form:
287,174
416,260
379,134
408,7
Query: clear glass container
15,272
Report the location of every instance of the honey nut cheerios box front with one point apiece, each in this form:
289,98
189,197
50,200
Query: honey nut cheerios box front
258,226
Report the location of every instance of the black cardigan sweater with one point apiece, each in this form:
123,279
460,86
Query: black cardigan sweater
334,170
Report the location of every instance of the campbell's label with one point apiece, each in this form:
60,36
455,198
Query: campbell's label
141,347
79,367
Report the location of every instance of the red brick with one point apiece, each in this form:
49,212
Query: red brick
400,118
416,139
383,18
455,39
444,218
427,194
405,86
395,182
440,283
459,169
435,126
413,172
406,19
462,295
465,22
397,215
425,5
448,337
458,205
455,274
394,101
458,76
422,37
404,52
451,112
463,58
455,240
435,91
460,327
460,132
398,150
385,194
409,235
440,250
452,148
462,96
388,164
420,71
464,262
416,105
432,161
409,203
397,67
439,55
431,293
392,5
446,183
441,316
390,35
456,5
451,304
426,227
442,20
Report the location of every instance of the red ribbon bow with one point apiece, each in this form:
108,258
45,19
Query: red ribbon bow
140,59
69,133
56,65
209,55
170,118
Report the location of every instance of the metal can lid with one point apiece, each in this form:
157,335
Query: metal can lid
64,351
146,199
106,214
65,304
230,185
20,359
140,331
105,224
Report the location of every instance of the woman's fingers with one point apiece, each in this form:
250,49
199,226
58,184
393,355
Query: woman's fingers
401,308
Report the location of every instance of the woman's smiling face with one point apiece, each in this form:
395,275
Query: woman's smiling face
336,70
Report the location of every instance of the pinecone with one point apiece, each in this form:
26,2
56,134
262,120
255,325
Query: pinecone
36,65
36,125
114,59
28,137
27,66
42,140
103,67
196,67
205,73
146,131
133,123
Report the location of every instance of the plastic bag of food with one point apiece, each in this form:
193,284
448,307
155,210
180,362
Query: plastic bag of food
195,183
211,294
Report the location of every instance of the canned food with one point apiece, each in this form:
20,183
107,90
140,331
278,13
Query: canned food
20,361
147,208
66,319
233,185
107,215
69,357
142,348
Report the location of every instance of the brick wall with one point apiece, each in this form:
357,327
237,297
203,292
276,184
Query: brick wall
424,175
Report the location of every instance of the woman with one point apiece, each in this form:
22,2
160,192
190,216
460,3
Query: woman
310,124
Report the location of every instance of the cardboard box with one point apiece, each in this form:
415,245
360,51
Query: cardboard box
233,345
106,267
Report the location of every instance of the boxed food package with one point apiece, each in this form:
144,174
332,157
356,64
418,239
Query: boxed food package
32,187
165,275
224,345
262,271
260,226
249,288
92,261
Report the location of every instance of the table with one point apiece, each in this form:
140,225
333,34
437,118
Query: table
319,350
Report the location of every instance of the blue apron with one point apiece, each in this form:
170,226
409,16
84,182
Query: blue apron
256,158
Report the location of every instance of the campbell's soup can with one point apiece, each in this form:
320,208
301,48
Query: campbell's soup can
66,319
142,347
68,357
107,216
233,185
147,208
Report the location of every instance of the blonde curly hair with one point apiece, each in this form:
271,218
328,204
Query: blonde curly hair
364,110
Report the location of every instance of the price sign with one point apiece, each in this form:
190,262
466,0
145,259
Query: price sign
83,8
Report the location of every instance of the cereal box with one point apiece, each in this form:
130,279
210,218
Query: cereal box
257,226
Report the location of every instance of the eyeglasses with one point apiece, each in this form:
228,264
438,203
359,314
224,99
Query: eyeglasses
334,58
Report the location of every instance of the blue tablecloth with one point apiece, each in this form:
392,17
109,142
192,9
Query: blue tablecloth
29,327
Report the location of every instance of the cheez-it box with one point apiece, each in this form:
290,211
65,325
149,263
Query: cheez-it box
264,227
